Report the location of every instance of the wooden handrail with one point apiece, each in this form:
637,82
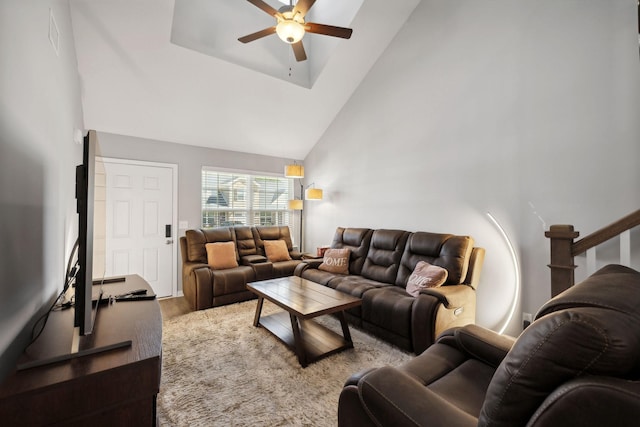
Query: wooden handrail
606,233
564,248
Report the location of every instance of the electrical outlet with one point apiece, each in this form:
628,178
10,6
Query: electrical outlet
526,320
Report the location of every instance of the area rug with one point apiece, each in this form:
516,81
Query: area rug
220,370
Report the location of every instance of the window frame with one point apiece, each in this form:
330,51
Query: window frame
247,211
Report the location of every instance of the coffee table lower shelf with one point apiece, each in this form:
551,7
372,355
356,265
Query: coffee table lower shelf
316,341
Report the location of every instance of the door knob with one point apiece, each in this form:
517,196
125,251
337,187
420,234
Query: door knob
169,241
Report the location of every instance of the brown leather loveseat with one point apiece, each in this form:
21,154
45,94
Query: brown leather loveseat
205,287
577,364
380,264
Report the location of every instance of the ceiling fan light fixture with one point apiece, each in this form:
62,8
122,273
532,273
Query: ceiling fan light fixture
290,31
291,26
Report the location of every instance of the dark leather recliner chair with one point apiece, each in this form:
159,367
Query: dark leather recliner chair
577,364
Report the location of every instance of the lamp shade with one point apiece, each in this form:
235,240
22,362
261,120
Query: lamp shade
294,171
313,194
295,205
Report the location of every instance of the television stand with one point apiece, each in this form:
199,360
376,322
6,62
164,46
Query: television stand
115,387
75,352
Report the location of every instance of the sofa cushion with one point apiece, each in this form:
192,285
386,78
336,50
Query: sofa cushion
355,285
244,240
357,240
196,251
221,255
336,261
424,276
231,281
443,250
385,252
318,276
262,234
276,250
388,308
285,268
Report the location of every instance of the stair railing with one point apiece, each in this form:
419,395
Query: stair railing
564,248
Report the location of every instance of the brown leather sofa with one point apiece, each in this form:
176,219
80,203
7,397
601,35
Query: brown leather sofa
577,364
205,287
380,264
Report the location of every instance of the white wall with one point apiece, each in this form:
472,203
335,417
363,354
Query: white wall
527,110
190,160
39,110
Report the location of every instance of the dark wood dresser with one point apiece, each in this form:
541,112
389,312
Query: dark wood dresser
117,387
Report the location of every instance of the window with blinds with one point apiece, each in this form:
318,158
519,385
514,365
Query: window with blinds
241,199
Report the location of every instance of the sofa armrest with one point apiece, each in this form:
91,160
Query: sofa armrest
197,285
392,397
305,264
429,318
188,267
313,263
253,259
483,344
475,267
451,296
423,320
296,255
354,379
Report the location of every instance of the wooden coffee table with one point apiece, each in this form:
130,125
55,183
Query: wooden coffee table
303,300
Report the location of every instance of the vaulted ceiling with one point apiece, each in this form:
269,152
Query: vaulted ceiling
175,71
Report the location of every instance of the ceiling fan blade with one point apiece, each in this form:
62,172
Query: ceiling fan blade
257,35
264,6
328,30
298,51
303,6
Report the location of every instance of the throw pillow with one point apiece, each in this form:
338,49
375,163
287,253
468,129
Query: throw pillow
221,255
336,261
276,250
424,276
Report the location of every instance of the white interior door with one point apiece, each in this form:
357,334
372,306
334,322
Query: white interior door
141,223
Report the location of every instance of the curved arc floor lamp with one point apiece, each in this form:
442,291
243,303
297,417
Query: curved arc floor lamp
516,267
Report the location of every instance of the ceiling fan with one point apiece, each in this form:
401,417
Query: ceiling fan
291,26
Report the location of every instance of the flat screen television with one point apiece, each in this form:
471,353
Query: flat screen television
91,220
85,197
85,310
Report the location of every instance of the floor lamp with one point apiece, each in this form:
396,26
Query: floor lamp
296,171
296,205
311,193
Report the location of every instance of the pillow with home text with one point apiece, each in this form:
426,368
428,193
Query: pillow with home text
424,276
336,261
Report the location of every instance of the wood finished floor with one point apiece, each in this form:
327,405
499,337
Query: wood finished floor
173,307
